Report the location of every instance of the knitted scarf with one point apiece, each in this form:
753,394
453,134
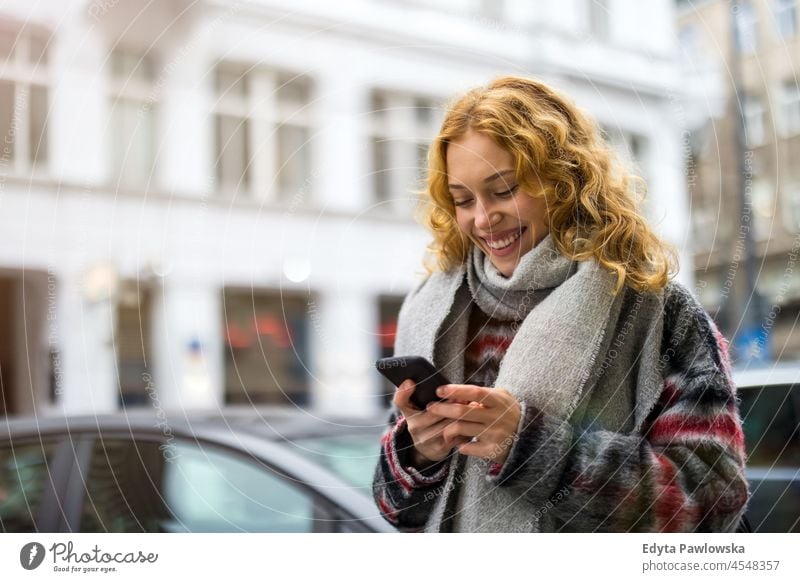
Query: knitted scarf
560,339
548,365
511,299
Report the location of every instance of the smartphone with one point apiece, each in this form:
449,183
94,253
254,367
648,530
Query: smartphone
421,371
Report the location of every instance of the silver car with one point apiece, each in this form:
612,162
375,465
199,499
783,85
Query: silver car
770,409
256,471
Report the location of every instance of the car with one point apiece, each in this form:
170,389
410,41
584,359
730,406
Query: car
284,470
274,470
769,403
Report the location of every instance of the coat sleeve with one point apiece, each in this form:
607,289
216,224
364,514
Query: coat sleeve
684,471
404,495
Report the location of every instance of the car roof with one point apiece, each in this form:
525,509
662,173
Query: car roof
771,375
263,433
273,423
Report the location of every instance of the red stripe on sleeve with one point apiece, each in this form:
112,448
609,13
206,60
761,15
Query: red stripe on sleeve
667,428
672,508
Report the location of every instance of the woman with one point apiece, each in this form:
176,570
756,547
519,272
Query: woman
590,392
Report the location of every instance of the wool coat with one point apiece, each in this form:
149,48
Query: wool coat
669,458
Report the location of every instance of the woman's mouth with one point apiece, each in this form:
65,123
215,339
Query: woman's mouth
506,245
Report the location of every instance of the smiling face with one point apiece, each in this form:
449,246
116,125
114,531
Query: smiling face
491,207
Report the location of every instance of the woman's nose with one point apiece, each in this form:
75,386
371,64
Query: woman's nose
487,217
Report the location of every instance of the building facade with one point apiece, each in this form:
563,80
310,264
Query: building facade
741,60
207,204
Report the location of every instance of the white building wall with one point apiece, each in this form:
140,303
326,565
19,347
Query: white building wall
183,91
78,105
189,243
85,340
341,179
187,312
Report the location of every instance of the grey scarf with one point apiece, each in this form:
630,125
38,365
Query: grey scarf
551,363
511,299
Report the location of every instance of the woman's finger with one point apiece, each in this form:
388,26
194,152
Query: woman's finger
462,412
462,428
435,428
402,398
423,420
477,449
467,392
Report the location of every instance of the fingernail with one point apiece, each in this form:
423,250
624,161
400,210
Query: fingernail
440,391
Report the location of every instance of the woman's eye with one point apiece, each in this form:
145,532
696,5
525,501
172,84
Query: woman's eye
461,202
508,192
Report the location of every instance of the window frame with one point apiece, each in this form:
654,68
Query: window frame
762,390
786,18
598,18
397,129
746,22
323,508
265,115
50,517
789,108
770,472
790,204
255,303
142,92
23,74
754,114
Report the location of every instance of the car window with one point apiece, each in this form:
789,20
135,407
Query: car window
771,421
351,457
24,481
770,417
775,502
135,486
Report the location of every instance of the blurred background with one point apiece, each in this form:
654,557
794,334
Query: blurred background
208,204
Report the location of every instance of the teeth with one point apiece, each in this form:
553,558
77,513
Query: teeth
498,245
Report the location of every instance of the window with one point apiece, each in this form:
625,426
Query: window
24,99
754,114
266,347
133,118
25,480
786,18
402,127
763,208
382,168
790,109
704,228
791,205
132,344
388,311
771,423
467,7
492,9
177,486
262,130
350,456
746,27
629,147
599,19
689,40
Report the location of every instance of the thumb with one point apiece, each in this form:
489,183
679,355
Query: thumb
407,384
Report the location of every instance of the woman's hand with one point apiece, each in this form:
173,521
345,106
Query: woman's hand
490,414
426,428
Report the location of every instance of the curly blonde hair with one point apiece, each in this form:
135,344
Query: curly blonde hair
593,207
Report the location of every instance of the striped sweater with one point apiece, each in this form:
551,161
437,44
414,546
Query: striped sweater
683,472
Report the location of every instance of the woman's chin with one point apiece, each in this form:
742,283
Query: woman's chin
506,265
506,268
